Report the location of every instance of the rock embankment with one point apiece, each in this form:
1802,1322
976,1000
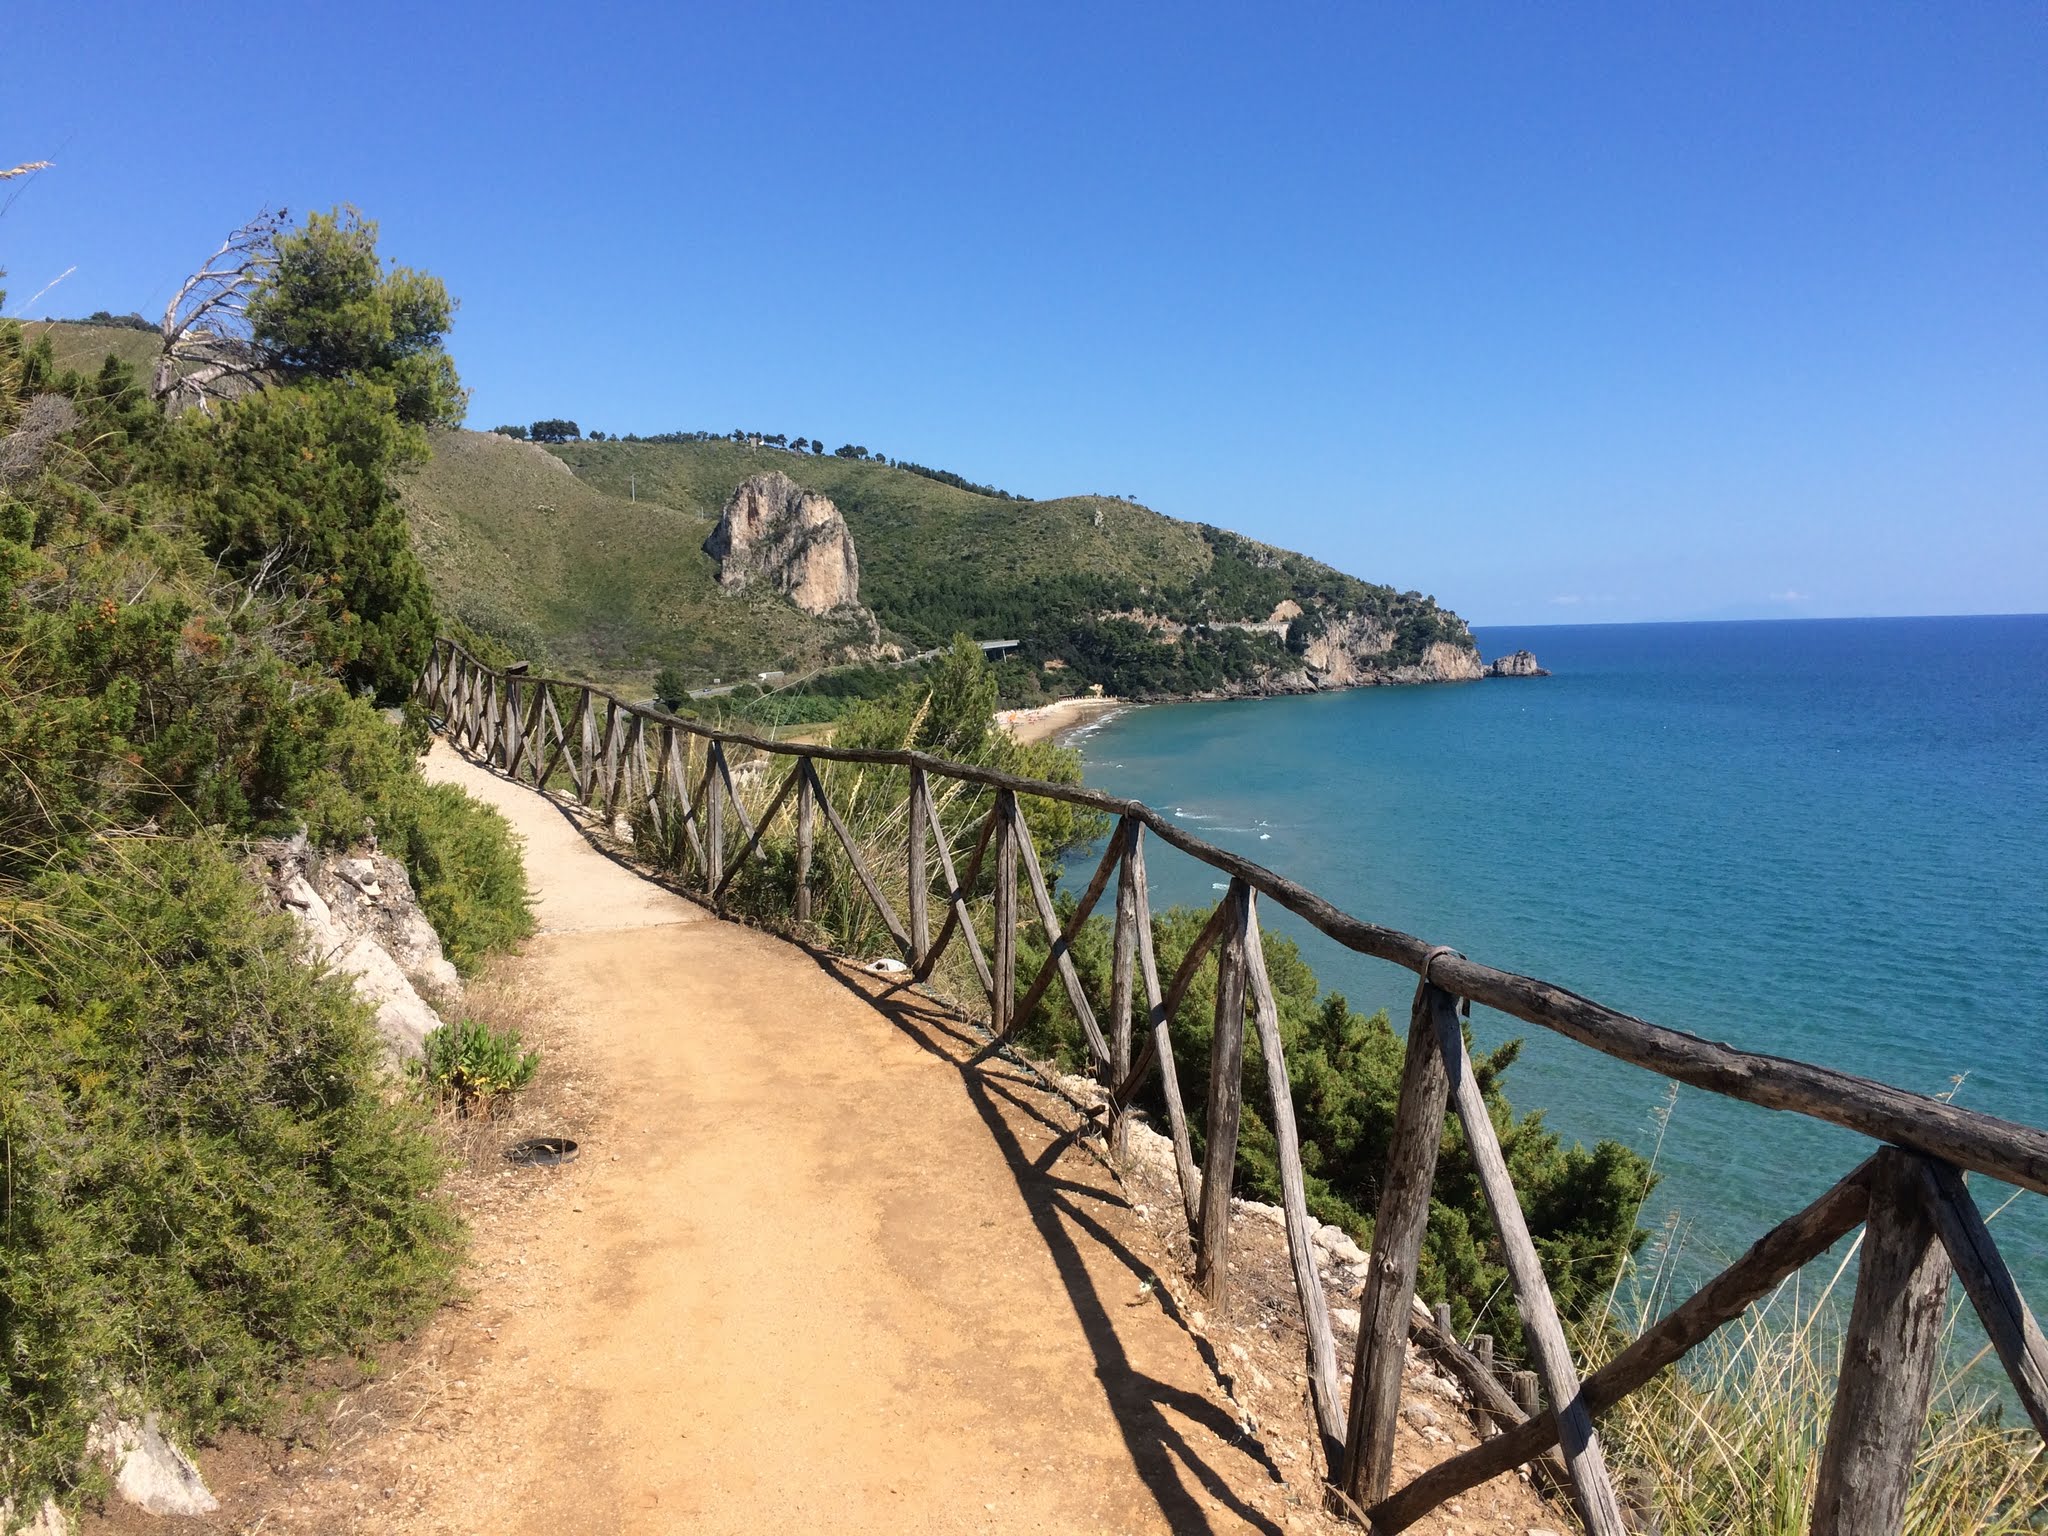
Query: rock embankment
1520,664
773,530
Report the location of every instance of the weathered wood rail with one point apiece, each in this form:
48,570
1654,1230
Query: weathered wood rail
1922,1226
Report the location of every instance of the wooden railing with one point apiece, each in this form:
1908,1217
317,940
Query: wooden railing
1921,1225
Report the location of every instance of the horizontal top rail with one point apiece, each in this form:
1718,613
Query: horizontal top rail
1982,1143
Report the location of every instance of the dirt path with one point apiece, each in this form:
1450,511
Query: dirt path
815,1276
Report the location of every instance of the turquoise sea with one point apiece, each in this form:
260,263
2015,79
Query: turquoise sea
1823,839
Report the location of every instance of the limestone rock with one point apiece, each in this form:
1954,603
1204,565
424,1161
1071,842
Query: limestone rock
1353,651
359,916
774,530
1442,662
149,1471
49,1520
1521,664
1341,656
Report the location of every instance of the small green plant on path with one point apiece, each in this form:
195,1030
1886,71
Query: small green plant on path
469,1066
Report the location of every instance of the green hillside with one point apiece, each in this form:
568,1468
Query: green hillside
82,348
933,559
609,583
520,549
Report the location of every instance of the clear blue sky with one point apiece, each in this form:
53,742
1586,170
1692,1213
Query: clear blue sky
1562,313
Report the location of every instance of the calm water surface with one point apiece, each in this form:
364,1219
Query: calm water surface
1822,839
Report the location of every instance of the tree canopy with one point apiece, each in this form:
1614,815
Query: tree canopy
331,309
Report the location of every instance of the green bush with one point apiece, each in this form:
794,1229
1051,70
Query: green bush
1344,1072
465,865
469,1066
205,1182
292,489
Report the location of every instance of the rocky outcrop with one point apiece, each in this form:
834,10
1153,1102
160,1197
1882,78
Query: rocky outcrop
1342,655
1520,664
149,1471
774,530
360,917
1442,662
1352,652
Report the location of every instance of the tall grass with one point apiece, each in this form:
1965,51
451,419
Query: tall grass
1730,1442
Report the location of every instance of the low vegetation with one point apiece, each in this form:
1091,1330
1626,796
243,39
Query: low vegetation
1732,1440
468,1067
209,1179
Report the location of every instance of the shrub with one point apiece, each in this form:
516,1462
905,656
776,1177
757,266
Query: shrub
469,1066
205,1182
1344,1071
292,489
465,865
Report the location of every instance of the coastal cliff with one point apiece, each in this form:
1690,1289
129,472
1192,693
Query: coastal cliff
1360,651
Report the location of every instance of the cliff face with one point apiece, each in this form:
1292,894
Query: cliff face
1353,651
1442,662
773,530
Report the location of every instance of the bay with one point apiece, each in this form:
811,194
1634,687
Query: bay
1822,839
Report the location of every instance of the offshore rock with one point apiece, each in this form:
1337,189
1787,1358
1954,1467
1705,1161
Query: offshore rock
1520,664
774,530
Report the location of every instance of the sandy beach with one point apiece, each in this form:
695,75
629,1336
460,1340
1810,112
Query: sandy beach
1050,720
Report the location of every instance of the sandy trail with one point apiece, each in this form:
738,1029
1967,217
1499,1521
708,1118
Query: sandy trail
813,1273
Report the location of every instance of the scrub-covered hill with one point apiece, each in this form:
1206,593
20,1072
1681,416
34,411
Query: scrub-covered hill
588,554
520,549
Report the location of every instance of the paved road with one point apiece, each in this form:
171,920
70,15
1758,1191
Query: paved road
833,1282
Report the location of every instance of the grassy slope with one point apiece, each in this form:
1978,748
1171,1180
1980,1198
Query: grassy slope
85,347
516,545
903,524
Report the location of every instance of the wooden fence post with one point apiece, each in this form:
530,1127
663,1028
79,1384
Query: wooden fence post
1003,962
508,731
1888,1359
1583,1458
1226,1107
714,818
1527,1392
586,709
1160,1041
1301,1252
914,863
2007,1321
1398,1227
1122,985
806,838
612,727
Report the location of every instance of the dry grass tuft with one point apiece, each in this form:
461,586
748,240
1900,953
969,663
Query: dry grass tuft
1731,1443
